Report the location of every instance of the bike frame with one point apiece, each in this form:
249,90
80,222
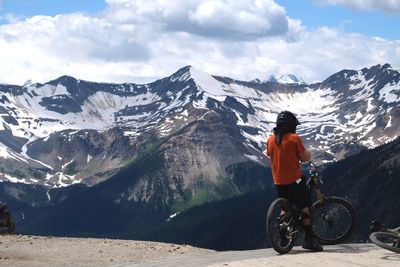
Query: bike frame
314,181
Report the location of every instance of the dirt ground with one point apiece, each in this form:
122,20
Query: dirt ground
37,251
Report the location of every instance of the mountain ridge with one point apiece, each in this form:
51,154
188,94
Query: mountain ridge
347,112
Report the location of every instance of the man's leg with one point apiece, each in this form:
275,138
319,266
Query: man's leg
310,241
306,216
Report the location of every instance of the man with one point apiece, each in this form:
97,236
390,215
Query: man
286,150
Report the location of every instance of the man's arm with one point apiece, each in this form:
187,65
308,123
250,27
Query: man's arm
305,156
267,152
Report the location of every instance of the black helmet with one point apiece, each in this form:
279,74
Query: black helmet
287,119
286,122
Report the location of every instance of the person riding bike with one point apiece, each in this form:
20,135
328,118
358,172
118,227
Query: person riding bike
285,150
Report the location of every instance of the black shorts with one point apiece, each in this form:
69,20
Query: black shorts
297,193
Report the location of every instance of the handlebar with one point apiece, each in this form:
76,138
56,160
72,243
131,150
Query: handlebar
315,177
311,164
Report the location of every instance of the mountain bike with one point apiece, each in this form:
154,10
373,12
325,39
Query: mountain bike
333,218
385,237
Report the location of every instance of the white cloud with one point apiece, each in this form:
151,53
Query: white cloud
10,18
391,6
223,19
317,54
44,47
135,41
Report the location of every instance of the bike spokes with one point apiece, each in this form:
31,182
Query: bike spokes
280,230
389,241
333,220
281,223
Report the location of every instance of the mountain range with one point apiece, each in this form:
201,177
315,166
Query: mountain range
69,131
84,158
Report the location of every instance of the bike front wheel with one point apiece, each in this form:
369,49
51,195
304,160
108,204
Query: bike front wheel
280,223
389,241
333,220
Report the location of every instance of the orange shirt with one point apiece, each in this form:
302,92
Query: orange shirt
285,160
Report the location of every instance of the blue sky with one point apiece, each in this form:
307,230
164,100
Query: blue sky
369,22
143,40
28,8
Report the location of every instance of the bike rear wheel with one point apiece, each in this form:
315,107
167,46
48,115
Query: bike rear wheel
280,220
389,241
333,220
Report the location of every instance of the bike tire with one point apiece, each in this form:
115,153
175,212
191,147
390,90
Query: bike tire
273,224
389,241
333,221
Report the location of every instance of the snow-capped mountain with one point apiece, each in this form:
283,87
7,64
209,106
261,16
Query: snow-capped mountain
72,131
285,79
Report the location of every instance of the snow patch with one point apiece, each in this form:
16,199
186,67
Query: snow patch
172,216
253,158
89,158
388,94
66,164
